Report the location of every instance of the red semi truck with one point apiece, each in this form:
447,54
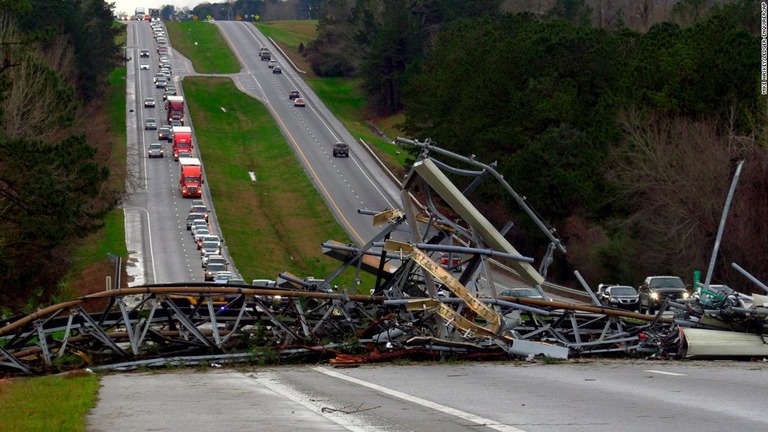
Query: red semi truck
174,105
182,140
191,178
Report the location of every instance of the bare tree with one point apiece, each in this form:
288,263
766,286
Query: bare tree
38,101
674,169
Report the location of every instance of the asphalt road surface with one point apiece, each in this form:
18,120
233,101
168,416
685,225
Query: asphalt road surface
582,396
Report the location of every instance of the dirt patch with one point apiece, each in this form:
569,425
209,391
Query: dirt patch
93,280
299,60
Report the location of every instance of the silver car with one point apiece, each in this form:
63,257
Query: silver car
155,150
150,124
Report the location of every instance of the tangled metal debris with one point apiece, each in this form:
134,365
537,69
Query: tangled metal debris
420,305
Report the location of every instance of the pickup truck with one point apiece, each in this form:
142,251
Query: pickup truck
656,289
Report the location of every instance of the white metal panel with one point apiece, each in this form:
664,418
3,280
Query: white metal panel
459,203
723,344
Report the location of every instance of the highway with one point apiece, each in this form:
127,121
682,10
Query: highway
591,395
347,184
161,249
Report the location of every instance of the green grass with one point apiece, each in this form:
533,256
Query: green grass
110,239
204,45
117,132
272,225
290,33
55,403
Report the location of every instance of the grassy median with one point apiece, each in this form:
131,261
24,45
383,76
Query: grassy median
277,222
203,44
55,403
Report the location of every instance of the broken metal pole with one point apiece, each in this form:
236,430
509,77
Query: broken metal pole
749,276
471,161
584,284
721,228
465,250
483,227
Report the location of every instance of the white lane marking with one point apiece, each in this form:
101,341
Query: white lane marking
352,423
133,240
482,421
665,373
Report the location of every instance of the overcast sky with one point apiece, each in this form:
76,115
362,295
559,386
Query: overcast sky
129,6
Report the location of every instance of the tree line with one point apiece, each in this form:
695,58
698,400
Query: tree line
624,140
57,55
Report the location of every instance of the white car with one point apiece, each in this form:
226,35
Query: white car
210,244
222,277
144,66
198,223
200,233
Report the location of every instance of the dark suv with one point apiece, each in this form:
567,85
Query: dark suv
656,289
340,149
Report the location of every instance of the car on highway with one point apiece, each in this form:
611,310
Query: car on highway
214,258
199,234
618,296
144,66
210,244
182,154
657,289
176,123
299,102
272,63
157,77
222,277
212,268
198,223
144,53
522,292
277,70
293,94
237,281
193,217
161,82
149,102
199,208
340,149
199,239
150,124
165,133
155,150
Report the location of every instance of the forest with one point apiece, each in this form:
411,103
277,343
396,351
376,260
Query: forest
625,140
54,178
